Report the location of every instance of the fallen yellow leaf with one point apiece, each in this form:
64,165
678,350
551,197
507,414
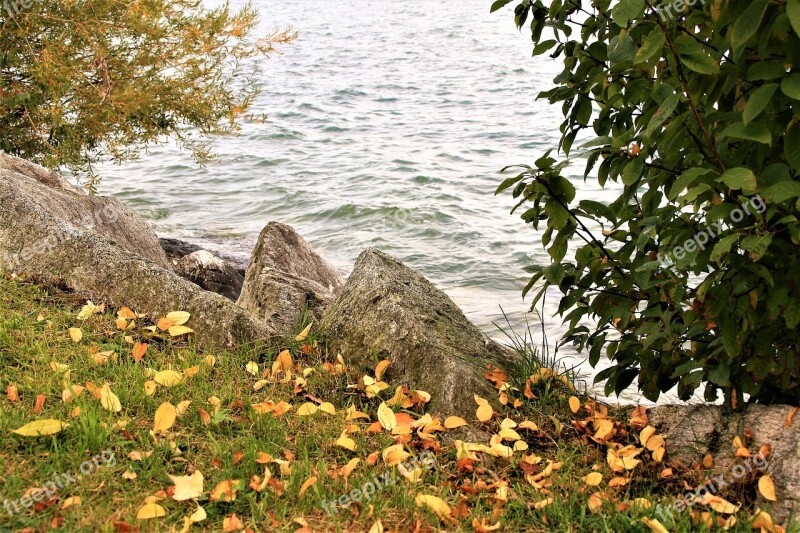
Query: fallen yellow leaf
593,479
181,408
484,412
109,400
654,525
177,331
543,503
718,504
509,434
198,515
414,475
71,392
354,414
179,318
72,501
394,455
252,368
381,368
303,334
283,363
452,422
151,510
574,404
75,334
165,417
655,442
187,487
386,417
349,467
767,488
483,527
281,408
41,428
346,442
645,434
167,378
306,409
435,504
58,367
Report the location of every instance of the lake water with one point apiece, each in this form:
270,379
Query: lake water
388,124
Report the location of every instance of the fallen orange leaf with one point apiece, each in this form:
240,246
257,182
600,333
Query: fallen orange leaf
790,416
232,523
12,392
225,491
40,398
309,482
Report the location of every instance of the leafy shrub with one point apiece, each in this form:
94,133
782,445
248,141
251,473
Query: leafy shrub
695,114
82,80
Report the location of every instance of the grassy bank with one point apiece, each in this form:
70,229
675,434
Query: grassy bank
277,433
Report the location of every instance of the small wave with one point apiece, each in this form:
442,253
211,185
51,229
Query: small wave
348,92
272,162
311,107
426,180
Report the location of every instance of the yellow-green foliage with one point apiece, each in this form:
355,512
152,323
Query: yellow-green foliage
87,79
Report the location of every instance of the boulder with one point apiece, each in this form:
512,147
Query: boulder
177,249
692,431
42,175
285,275
42,234
211,273
389,311
104,216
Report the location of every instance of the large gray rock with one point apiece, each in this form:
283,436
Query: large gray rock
177,249
211,273
40,174
692,431
285,275
390,311
105,216
41,234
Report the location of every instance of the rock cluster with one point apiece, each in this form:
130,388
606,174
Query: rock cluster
105,250
100,247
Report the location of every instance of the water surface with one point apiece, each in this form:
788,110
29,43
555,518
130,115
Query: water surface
388,124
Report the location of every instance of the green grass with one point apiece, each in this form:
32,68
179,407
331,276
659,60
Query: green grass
34,324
